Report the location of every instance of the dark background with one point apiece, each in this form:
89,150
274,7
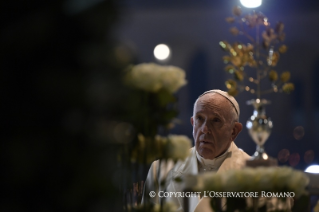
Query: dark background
61,63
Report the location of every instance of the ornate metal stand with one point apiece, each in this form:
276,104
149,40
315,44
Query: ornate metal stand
259,127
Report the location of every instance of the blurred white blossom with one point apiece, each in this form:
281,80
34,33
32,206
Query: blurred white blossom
178,147
273,179
175,147
152,77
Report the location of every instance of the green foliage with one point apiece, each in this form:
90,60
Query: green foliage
178,179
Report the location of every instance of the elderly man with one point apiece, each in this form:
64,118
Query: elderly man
215,127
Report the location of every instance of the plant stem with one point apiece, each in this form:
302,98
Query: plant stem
257,59
267,91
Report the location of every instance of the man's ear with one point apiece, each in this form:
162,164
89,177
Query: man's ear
236,130
192,121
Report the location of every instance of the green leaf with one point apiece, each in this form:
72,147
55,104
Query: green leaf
163,183
178,179
164,97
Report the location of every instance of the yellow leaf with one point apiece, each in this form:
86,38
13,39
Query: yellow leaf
234,31
236,61
282,49
224,45
231,84
237,11
226,59
230,19
288,87
232,92
230,69
239,75
273,75
285,76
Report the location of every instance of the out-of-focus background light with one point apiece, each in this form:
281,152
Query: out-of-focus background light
162,52
298,132
283,155
313,169
251,3
294,159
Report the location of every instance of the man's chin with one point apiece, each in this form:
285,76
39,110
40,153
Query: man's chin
206,153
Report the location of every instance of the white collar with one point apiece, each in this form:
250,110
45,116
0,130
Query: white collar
210,164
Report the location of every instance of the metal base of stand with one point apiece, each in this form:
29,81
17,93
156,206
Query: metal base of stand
261,158
261,162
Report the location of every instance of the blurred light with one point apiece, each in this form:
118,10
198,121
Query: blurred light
313,169
294,159
283,155
309,156
265,156
299,132
251,3
162,52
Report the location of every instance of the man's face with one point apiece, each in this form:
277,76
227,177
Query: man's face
213,125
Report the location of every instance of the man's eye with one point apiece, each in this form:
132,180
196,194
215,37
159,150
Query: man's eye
216,120
199,118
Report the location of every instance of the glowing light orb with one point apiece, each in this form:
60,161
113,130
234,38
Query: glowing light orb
313,169
162,52
251,3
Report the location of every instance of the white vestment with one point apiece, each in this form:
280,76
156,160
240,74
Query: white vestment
235,159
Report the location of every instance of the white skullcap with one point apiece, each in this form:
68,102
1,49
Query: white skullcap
230,98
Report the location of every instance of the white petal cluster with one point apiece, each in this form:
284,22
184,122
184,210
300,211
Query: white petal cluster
273,179
178,147
175,147
152,77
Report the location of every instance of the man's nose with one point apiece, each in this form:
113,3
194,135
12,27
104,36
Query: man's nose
205,128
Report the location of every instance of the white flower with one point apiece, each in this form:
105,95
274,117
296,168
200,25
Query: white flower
297,182
172,78
212,181
178,147
152,77
235,180
272,179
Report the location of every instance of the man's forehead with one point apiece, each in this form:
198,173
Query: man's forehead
203,111
219,95
214,98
